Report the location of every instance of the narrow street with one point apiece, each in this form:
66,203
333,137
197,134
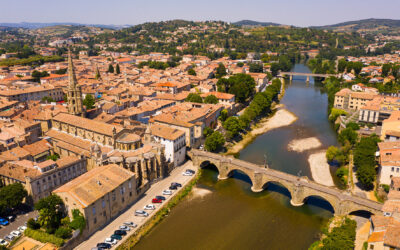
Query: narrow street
128,215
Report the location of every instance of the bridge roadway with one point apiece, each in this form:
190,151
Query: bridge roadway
300,188
305,74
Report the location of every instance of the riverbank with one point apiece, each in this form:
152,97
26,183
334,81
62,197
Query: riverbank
160,215
320,169
280,117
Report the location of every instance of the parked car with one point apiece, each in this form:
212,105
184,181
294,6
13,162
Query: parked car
104,245
9,237
167,192
160,197
187,173
21,228
120,232
149,207
110,241
125,228
141,213
4,222
3,242
117,237
130,224
16,233
155,200
11,218
173,187
176,184
190,171
96,248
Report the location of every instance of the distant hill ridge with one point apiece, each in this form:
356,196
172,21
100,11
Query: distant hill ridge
363,24
255,23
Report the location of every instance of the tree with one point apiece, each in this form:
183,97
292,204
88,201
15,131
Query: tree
63,232
274,69
47,99
341,237
78,221
192,72
386,69
221,71
31,223
12,196
50,212
110,68
256,68
214,141
117,69
342,64
193,97
354,126
366,176
347,134
224,115
211,99
242,86
232,125
89,101
207,131
331,153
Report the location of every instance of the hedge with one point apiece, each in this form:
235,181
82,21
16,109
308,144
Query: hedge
44,237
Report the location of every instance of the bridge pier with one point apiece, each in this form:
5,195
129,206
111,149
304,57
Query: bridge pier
297,196
308,79
291,77
257,182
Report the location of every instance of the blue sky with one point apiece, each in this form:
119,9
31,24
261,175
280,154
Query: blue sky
293,12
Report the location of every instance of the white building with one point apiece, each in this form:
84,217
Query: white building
174,141
389,160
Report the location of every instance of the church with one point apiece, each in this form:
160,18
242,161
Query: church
101,143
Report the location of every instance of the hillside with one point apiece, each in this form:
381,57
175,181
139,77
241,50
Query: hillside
255,23
366,25
29,25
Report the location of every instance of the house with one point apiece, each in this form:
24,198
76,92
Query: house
389,161
100,194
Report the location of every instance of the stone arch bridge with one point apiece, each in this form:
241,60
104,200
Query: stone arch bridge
300,188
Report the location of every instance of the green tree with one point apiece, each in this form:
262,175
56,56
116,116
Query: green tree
347,134
232,125
192,72
274,69
63,232
256,67
341,237
224,115
110,68
12,196
193,97
242,86
354,126
215,141
386,69
50,212
31,223
89,101
331,153
78,221
366,176
47,99
211,99
342,64
207,131
221,71
117,69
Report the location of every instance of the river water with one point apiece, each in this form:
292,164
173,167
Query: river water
230,216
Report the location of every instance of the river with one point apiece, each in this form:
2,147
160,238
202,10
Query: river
233,217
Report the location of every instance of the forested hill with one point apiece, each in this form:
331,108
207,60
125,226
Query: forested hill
255,23
364,25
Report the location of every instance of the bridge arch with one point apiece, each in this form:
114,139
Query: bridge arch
278,186
242,175
320,201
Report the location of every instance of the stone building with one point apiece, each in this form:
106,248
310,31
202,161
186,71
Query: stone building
100,194
74,91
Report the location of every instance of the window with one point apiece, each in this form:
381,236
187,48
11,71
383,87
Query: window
392,169
130,185
94,210
95,220
103,204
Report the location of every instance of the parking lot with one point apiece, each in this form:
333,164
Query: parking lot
129,215
19,221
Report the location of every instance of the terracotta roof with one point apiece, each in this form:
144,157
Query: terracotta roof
166,132
91,125
392,236
376,236
93,185
37,147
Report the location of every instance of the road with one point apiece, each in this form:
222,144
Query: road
156,189
19,221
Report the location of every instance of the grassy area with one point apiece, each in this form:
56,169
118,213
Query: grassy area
43,237
160,215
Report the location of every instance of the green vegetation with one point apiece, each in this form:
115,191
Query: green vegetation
89,101
158,65
33,60
211,99
50,212
37,75
117,70
221,71
11,196
256,67
44,237
214,142
241,85
110,68
78,220
348,135
193,97
192,72
340,237
232,126
364,160
53,157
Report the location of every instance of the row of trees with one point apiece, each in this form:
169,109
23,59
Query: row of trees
345,66
111,70
194,97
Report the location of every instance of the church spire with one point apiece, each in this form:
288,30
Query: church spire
71,71
74,93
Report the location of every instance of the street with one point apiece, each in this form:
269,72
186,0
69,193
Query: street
128,215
